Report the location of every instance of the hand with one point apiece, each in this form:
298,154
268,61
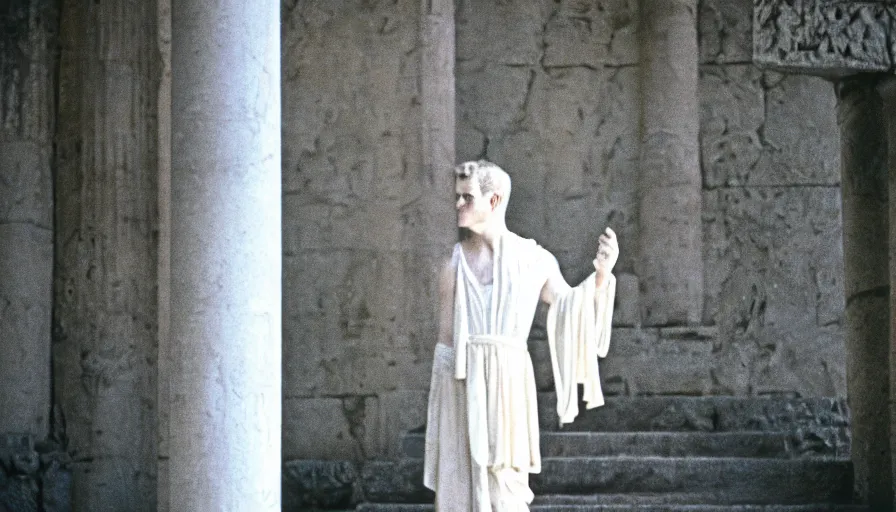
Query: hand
607,252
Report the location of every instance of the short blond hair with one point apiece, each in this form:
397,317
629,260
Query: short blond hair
490,177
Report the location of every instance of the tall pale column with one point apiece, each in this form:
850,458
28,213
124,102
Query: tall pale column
670,260
225,368
27,86
888,91
866,284
104,350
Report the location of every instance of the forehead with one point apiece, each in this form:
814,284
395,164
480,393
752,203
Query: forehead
467,186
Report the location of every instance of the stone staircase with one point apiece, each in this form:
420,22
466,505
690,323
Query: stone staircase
660,453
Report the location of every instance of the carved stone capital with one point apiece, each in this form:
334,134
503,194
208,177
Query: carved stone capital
830,38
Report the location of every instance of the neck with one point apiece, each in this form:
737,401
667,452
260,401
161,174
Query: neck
487,234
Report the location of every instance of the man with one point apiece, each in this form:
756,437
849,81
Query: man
482,437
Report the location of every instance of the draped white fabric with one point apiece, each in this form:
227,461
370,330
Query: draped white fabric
578,327
482,436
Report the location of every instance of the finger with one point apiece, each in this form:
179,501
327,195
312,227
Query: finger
610,232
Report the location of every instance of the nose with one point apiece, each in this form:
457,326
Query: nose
459,203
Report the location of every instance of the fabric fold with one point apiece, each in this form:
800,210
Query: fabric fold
578,326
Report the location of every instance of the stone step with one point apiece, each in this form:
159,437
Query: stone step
699,414
684,480
812,507
831,442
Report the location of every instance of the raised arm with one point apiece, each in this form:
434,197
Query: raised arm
607,254
447,279
555,285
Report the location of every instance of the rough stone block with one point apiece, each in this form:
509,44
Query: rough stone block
330,428
395,482
606,480
726,31
56,488
26,184
702,480
576,150
311,484
592,34
699,414
800,132
400,411
626,312
500,32
26,269
491,97
732,115
823,37
346,325
773,266
766,129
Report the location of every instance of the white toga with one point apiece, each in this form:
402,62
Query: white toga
482,423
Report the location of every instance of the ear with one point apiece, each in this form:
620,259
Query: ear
495,200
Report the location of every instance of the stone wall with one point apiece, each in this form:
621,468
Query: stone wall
27,110
358,301
106,245
550,91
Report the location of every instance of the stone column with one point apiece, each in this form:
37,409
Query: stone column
225,366
104,352
670,263
866,283
164,266
435,231
887,89
27,81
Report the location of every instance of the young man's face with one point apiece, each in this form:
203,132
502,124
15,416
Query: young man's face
473,207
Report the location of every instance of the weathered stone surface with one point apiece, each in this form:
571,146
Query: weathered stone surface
699,361
725,31
330,428
33,478
28,38
626,312
104,352
573,146
765,129
397,482
706,480
359,304
887,91
668,480
700,414
400,411
800,125
604,503
819,442
824,37
773,281
508,33
309,484
732,116
670,238
591,34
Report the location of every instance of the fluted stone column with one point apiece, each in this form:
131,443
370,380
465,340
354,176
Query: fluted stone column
225,256
104,351
887,89
434,231
866,283
26,214
670,262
